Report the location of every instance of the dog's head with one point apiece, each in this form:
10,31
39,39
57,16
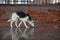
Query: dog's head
31,22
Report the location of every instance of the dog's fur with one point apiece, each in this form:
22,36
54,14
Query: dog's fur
21,16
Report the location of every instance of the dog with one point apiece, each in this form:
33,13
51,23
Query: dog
23,17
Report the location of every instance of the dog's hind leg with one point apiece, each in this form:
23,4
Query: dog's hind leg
16,22
11,24
20,24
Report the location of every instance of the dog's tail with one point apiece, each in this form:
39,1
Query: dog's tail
9,20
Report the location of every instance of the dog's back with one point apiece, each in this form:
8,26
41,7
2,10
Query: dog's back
23,15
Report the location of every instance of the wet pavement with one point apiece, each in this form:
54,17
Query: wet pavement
40,32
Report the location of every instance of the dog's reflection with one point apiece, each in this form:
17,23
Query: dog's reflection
18,34
26,34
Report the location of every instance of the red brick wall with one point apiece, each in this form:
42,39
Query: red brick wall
38,13
44,17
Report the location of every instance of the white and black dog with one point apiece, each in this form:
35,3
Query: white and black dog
21,16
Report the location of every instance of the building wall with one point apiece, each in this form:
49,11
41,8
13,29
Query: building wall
43,9
9,9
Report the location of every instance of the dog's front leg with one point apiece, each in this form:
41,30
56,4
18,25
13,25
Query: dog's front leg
25,24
